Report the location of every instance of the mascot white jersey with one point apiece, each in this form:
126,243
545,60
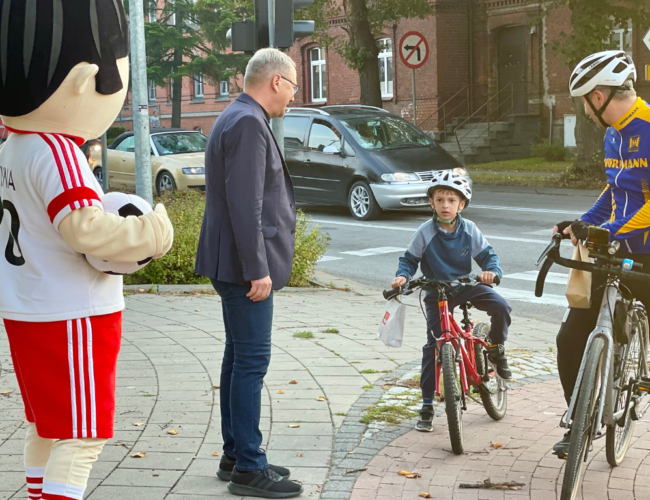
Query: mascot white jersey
63,78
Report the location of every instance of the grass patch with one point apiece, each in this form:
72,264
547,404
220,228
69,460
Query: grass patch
566,181
341,414
331,330
369,370
391,414
366,387
355,362
303,335
523,165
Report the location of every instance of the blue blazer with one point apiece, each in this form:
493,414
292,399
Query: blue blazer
249,224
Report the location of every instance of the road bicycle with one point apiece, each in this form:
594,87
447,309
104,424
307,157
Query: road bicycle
461,359
613,376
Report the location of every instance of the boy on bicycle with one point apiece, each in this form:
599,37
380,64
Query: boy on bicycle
444,247
605,83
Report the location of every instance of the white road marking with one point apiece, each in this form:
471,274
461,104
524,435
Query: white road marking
526,296
554,278
328,258
413,229
523,209
366,252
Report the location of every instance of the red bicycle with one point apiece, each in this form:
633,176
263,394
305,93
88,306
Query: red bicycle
462,364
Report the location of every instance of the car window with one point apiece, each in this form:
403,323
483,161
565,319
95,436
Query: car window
385,132
324,137
171,144
126,144
295,128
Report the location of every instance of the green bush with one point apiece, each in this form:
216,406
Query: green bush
185,209
550,152
113,132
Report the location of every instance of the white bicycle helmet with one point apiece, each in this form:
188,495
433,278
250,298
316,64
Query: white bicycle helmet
451,180
611,68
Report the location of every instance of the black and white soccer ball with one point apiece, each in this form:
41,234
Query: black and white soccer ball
122,205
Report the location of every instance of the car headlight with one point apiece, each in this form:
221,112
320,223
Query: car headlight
401,177
461,171
194,170
97,147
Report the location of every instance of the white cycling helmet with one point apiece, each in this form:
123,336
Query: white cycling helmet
451,180
611,68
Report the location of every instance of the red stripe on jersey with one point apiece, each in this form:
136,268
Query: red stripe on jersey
76,161
68,161
69,198
57,159
79,141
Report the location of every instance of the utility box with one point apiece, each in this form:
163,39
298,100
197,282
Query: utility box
569,131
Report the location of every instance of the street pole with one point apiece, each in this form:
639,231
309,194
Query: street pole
415,115
105,184
143,182
277,124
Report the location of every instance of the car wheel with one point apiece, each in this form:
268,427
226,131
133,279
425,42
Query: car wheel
165,183
362,203
99,175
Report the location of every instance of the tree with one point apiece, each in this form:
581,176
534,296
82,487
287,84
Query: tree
591,24
188,39
365,21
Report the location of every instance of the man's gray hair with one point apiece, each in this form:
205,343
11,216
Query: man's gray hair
266,63
623,93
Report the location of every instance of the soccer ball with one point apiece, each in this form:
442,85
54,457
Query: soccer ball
122,205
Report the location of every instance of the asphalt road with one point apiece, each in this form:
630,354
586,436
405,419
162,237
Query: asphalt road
517,223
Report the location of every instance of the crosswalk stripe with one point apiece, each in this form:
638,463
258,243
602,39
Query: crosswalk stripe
366,252
526,296
525,209
554,278
328,258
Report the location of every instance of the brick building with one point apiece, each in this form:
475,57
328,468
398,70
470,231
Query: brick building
484,54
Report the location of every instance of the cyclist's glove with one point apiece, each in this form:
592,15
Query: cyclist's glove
580,229
561,226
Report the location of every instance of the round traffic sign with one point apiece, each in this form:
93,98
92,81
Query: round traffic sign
414,49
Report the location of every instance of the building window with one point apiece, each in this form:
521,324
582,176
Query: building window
191,17
318,75
198,86
152,91
153,11
172,16
224,89
386,67
621,37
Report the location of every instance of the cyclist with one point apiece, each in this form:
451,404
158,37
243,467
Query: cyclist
444,247
605,83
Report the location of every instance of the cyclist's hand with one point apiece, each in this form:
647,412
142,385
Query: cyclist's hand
561,227
487,277
398,282
580,229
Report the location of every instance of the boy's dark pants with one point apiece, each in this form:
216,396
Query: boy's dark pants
484,298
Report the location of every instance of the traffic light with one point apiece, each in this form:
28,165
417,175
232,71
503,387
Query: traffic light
248,36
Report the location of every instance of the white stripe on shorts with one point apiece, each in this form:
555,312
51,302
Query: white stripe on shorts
91,378
73,385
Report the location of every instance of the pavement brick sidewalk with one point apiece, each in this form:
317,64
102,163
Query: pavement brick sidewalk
168,372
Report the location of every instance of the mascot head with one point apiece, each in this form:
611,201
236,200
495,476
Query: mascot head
63,65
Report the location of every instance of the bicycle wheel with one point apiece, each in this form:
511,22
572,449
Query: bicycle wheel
493,393
630,367
583,421
453,402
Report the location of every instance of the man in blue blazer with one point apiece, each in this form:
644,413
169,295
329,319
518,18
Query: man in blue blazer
246,248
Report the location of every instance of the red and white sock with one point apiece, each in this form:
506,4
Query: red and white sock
61,491
35,482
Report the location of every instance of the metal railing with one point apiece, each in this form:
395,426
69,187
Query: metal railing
463,108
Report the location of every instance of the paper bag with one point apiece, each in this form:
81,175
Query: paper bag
391,326
578,290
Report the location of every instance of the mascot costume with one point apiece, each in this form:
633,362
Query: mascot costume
63,78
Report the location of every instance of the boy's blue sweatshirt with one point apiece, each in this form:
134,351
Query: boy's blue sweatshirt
448,256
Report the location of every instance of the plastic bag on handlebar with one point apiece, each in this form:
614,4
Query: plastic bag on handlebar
578,290
391,326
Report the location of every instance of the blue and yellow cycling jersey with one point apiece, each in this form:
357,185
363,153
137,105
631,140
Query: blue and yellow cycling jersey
624,205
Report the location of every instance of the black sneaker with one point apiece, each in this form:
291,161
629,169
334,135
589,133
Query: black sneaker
425,424
497,354
561,449
227,464
264,484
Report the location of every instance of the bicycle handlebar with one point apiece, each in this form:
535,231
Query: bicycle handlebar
426,283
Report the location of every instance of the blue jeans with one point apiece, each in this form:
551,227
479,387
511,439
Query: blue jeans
245,362
484,298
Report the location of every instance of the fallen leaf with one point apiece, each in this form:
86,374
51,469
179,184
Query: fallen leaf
140,290
216,386
425,495
138,424
280,391
293,382
197,310
173,432
321,398
293,426
139,454
156,475
215,454
414,475
300,454
496,445
403,473
318,486
6,393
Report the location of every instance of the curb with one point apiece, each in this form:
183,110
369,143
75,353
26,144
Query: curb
147,288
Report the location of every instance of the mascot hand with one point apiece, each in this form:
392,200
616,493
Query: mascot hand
164,230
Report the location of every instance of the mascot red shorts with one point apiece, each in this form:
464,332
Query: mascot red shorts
66,374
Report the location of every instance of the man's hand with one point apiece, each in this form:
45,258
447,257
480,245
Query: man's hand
260,289
398,282
565,228
487,277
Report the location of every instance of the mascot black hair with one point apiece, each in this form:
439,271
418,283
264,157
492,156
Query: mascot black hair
42,40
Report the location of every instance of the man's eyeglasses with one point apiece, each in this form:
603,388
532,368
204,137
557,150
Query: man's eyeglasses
295,87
